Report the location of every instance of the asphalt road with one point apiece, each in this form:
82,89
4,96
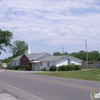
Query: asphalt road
35,87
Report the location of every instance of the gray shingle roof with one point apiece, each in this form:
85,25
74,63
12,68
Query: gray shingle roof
17,58
55,58
52,58
33,55
29,56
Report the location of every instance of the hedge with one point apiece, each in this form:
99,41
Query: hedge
23,67
69,67
27,67
53,68
78,67
62,68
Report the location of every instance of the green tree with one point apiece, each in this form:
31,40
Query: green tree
57,54
82,55
18,48
66,53
94,55
7,60
74,54
5,39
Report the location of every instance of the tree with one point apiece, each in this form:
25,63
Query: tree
94,55
18,48
66,53
5,39
57,54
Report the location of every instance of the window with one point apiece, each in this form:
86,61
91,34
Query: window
48,64
41,63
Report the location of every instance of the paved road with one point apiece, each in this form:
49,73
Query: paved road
35,87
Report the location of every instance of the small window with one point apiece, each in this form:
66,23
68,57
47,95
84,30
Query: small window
48,64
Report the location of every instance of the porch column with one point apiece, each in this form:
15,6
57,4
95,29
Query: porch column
35,67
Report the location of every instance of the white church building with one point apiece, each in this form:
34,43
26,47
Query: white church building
38,60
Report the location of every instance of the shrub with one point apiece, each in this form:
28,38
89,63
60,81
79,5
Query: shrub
78,67
43,69
8,66
11,67
70,67
53,68
66,68
17,67
22,67
27,67
62,68
0,65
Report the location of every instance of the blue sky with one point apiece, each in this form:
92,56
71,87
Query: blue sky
50,25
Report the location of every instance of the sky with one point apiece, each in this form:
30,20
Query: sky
50,25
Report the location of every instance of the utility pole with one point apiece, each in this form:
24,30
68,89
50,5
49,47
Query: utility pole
62,51
86,53
63,54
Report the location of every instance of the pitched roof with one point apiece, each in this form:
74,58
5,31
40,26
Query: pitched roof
55,58
17,58
33,55
29,56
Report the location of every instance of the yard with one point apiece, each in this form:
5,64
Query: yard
85,74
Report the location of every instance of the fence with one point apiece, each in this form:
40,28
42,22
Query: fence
94,65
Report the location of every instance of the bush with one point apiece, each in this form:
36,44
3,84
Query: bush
62,68
0,65
70,67
17,67
22,67
43,69
66,68
78,67
11,67
53,68
27,67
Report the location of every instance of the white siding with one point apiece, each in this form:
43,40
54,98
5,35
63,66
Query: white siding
36,67
65,62
15,63
51,63
76,62
62,62
45,64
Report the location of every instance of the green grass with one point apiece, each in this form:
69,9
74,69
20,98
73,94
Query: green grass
88,74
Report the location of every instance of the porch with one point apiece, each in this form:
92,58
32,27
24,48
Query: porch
36,65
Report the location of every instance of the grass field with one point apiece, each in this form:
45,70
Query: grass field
86,74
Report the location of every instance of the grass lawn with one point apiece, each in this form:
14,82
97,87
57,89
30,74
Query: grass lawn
85,74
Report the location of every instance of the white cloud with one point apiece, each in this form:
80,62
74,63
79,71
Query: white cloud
53,22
